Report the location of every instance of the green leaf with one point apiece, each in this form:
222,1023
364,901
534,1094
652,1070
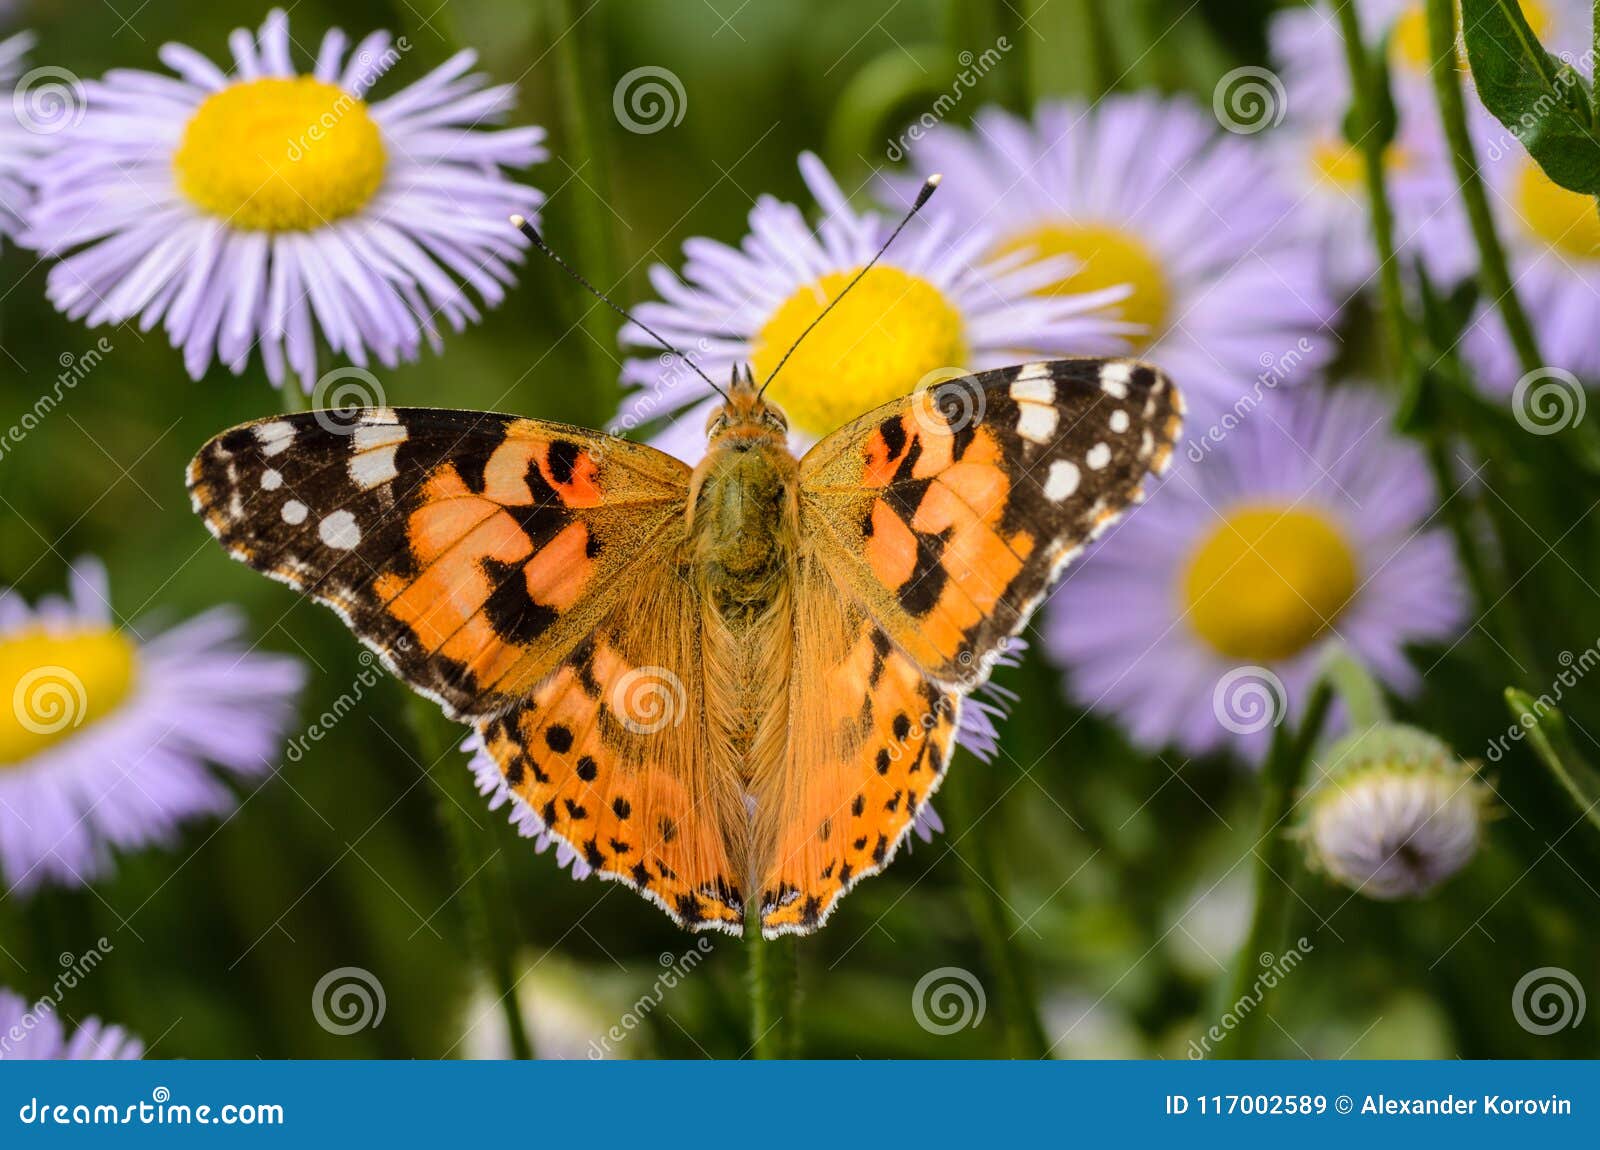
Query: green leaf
1547,731
1541,99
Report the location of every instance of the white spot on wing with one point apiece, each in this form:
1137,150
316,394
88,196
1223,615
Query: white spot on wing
1119,421
294,512
1114,378
1033,371
1099,455
1062,480
271,479
1037,423
374,468
370,435
1033,389
274,437
339,531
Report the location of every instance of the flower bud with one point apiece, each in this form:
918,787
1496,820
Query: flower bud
1394,814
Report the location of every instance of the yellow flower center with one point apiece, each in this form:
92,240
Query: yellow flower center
52,684
1410,40
888,333
280,155
1338,162
1108,257
1268,581
1567,221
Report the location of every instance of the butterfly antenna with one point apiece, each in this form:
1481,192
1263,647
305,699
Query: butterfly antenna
527,229
928,188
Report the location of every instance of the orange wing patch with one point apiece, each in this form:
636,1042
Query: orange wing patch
609,754
872,745
472,551
947,515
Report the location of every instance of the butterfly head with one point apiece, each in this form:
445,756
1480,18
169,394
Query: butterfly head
744,414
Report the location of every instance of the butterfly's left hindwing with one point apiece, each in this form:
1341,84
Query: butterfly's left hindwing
948,514
472,551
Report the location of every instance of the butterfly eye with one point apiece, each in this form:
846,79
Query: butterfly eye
775,419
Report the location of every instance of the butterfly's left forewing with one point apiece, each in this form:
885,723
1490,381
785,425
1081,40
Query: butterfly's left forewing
948,514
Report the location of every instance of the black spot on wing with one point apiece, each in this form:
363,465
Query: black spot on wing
511,611
562,457
894,436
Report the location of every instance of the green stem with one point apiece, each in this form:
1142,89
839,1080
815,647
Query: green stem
974,823
294,397
436,740
1281,781
774,990
578,69
1397,322
1493,268
1398,325
1547,731
1363,699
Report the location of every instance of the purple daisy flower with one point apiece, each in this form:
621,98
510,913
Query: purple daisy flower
267,208
22,139
1308,522
1147,194
1552,240
1308,47
34,1033
1327,173
107,740
925,312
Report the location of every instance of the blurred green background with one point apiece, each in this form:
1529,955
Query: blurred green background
1129,875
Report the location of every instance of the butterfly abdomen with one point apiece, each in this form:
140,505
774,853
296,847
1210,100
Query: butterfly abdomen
744,526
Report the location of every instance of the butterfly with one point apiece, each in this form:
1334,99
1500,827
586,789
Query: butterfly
730,682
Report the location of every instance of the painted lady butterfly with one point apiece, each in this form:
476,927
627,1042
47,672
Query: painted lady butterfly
739,680
810,625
